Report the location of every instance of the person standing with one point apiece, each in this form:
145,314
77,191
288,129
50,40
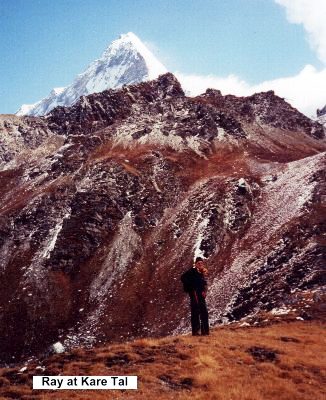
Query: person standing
195,284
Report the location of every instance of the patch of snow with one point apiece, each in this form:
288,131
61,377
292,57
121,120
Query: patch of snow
6,252
200,236
58,348
280,311
156,186
35,276
221,133
54,236
244,324
122,250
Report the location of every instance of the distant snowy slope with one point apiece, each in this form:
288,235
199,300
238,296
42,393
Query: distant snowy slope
127,60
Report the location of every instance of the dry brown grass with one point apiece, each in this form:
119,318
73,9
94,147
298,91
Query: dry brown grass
217,367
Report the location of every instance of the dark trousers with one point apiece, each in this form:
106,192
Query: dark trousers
199,314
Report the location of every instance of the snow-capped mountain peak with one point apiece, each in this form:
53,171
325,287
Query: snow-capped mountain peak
125,61
131,42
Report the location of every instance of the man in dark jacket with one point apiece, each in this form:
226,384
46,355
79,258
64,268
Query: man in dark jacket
195,284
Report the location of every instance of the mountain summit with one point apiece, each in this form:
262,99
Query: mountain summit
125,61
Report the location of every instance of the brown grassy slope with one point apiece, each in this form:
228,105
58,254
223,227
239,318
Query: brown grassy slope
288,364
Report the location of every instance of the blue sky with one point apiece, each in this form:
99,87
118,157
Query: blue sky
44,44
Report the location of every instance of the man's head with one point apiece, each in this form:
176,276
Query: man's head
199,263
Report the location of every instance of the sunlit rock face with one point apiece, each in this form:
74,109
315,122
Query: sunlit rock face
104,204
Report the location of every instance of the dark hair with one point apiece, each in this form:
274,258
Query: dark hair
198,259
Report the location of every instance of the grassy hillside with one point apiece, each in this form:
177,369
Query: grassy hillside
284,361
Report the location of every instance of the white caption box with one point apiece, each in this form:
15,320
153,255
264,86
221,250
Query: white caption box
84,382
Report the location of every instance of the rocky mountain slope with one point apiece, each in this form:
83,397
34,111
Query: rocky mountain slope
104,204
126,60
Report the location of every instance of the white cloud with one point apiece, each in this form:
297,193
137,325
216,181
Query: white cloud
312,15
306,90
197,84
